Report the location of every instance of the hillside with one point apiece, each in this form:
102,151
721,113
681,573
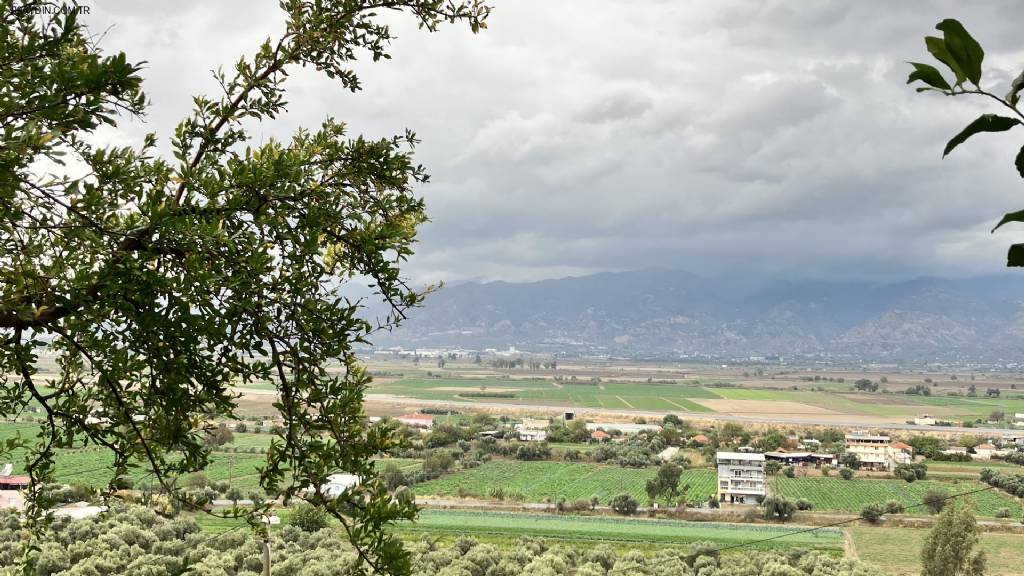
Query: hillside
667,312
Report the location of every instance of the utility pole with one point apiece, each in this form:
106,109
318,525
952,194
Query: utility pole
266,555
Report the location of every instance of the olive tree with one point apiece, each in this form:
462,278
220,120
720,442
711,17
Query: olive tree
159,281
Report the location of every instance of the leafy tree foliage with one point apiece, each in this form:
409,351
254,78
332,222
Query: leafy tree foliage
159,282
872,512
962,57
935,500
778,508
307,517
137,541
949,547
624,504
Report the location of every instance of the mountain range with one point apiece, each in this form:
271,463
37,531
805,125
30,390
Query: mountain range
670,313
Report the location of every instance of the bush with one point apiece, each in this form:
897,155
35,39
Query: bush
846,473
777,508
894,507
789,472
872,512
308,518
935,500
624,504
1003,513
772,467
826,471
802,504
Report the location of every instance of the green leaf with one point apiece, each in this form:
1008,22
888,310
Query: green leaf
937,46
1017,216
1019,162
984,123
929,75
963,48
1015,257
1013,96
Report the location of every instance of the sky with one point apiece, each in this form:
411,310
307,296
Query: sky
731,137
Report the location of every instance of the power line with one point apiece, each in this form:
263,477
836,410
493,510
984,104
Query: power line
812,529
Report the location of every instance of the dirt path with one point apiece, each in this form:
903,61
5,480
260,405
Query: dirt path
849,548
623,400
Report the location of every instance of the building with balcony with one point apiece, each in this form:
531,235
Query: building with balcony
740,477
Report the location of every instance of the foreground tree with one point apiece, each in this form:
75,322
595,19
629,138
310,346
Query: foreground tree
949,547
962,56
158,283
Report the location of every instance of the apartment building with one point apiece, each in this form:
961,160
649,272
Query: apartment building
740,477
877,451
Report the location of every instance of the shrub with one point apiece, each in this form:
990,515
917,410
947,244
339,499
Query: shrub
308,518
624,504
846,473
894,507
872,512
826,471
935,500
1003,513
777,508
789,472
802,504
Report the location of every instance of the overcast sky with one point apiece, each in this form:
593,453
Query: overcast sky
723,137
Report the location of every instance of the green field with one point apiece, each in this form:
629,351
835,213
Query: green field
92,465
610,529
852,495
613,395
897,551
550,481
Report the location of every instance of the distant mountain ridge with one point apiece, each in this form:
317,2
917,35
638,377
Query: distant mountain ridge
659,312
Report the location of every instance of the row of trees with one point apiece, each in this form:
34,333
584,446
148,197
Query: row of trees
137,541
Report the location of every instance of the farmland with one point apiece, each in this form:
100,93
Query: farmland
788,394
607,529
898,550
852,495
639,396
540,481
91,465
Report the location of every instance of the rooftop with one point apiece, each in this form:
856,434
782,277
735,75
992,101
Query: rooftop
739,456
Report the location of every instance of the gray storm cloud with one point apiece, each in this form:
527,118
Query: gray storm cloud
578,136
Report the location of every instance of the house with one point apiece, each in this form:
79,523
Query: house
1016,439
14,482
873,450
902,453
700,439
809,444
789,458
668,454
740,477
984,451
599,435
955,450
417,420
925,420
338,483
624,428
533,430
79,510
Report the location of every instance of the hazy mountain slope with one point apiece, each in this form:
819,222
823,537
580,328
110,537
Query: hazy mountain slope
650,312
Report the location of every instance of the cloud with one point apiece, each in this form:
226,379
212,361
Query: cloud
577,136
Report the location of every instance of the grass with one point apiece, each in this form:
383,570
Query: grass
611,529
852,495
612,395
897,551
550,481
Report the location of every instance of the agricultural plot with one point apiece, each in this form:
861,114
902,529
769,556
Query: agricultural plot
638,396
550,481
897,551
92,465
606,529
852,495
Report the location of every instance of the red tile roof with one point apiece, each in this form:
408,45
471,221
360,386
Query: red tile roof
985,447
902,446
700,438
598,434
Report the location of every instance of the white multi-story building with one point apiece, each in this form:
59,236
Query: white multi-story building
740,477
877,452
